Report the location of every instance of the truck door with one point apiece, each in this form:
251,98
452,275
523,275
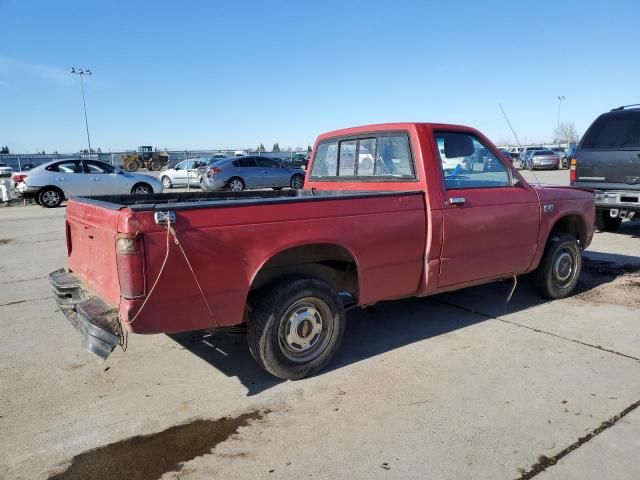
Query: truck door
490,222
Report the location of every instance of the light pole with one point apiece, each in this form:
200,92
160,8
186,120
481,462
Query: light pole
81,73
560,99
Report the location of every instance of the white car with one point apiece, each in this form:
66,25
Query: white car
183,173
55,181
4,168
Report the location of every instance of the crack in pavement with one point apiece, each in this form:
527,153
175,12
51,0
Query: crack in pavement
537,330
545,462
23,280
24,301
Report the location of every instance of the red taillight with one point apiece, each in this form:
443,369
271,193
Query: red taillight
18,178
572,170
130,261
213,171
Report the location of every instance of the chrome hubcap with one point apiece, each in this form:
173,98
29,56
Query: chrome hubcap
166,183
50,198
141,190
236,186
297,183
563,268
305,330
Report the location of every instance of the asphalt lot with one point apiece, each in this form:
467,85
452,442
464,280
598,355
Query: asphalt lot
460,385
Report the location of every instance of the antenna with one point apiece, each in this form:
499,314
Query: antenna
518,140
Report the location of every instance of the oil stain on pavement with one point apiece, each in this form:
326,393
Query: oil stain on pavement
148,457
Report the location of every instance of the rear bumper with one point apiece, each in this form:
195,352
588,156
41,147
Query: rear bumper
624,200
97,322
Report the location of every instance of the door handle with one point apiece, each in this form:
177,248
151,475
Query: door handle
457,201
60,179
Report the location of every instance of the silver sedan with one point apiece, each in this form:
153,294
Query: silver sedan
55,181
239,173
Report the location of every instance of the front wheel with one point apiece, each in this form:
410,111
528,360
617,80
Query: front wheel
297,182
296,327
141,189
560,267
155,165
166,183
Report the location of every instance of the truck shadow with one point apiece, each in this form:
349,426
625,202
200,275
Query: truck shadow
631,229
394,324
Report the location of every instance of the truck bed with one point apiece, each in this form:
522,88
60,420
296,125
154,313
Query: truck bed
195,200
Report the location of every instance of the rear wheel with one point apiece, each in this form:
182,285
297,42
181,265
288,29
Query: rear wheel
50,197
560,267
132,166
296,327
141,189
605,222
235,185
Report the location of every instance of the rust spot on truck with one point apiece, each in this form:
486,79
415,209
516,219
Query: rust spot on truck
148,457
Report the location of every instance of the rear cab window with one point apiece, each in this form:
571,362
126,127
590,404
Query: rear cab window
384,156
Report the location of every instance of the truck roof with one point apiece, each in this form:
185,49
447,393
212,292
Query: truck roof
377,127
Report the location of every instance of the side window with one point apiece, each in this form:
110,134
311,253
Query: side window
382,156
266,163
467,163
99,167
246,162
74,166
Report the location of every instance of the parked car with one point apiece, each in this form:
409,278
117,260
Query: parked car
5,169
183,173
547,159
286,263
608,161
506,154
240,173
51,183
525,153
568,156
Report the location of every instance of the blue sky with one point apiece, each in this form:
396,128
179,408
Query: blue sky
233,74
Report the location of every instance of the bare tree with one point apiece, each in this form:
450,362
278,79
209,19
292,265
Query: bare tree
566,133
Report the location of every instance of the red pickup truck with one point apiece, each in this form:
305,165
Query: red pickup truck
387,211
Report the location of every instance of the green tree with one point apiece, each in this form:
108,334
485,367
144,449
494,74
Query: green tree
261,148
309,148
4,149
276,147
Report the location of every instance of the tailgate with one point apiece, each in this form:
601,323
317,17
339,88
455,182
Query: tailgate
91,239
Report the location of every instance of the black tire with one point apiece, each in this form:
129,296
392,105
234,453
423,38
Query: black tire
50,197
559,270
166,182
606,223
235,184
314,305
141,189
132,166
155,165
297,182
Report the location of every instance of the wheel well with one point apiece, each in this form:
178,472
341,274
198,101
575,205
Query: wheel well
329,262
573,225
52,187
239,178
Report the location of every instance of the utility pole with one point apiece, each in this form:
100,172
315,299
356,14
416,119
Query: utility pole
560,99
81,73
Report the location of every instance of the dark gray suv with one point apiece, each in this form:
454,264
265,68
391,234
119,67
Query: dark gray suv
608,160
